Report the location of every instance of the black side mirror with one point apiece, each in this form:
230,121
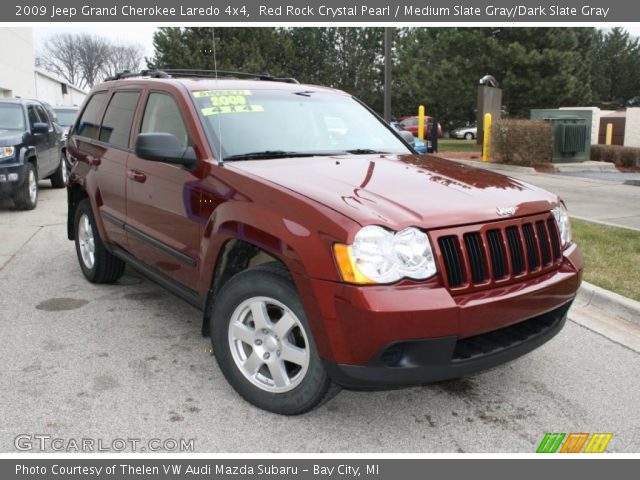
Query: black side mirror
39,128
165,147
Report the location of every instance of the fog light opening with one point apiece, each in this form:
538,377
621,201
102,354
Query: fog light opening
392,356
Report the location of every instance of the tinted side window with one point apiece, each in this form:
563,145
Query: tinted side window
33,115
89,124
44,118
116,125
162,115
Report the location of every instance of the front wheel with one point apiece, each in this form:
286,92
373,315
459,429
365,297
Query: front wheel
26,197
468,136
263,344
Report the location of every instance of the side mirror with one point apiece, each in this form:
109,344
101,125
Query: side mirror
39,128
165,147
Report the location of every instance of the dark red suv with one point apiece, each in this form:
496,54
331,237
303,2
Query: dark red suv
321,249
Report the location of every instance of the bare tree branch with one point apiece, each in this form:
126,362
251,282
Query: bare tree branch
84,60
60,56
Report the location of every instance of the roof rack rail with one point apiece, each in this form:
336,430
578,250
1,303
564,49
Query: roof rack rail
184,72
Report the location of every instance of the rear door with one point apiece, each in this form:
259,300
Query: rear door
105,166
114,138
162,230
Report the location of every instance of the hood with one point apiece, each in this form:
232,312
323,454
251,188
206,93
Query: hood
10,138
401,191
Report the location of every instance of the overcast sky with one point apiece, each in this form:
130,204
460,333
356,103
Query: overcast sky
140,33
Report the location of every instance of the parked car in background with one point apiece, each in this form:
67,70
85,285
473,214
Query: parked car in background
322,250
411,124
30,143
468,133
66,118
418,145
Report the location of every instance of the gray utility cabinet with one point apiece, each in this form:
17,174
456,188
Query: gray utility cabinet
571,133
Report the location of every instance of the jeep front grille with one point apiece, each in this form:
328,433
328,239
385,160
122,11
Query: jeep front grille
476,256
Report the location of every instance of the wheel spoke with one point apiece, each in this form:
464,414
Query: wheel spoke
294,354
243,333
279,374
252,364
284,325
260,315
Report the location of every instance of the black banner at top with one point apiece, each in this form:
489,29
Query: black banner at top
321,11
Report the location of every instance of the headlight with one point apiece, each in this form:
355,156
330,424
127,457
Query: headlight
564,226
378,255
7,152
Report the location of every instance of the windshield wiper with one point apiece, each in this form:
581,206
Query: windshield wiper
363,151
269,154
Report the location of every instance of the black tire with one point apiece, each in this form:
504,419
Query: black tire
59,177
270,281
105,268
468,136
25,198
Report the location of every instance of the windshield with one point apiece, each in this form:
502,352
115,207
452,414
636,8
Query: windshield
273,123
66,118
11,117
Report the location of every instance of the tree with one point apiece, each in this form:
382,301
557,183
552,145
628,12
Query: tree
83,60
121,58
61,57
616,68
536,67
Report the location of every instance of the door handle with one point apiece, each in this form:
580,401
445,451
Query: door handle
136,176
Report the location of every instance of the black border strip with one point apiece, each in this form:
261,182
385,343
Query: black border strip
149,239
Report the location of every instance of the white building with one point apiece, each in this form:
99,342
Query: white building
17,60
55,91
20,78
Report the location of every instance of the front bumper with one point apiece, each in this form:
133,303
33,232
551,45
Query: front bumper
413,333
9,185
444,358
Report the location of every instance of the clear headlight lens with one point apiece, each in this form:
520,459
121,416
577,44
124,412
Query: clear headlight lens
378,255
564,226
7,152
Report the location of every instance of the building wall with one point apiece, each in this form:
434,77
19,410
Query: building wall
632,128
17,60
50,90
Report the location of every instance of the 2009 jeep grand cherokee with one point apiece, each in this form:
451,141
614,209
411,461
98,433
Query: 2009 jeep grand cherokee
322,250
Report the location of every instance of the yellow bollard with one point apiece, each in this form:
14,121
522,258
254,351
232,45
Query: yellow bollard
421,122
486,137
609,134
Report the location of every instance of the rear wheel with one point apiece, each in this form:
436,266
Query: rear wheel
60,176
262,342
468,136
26,197
97,264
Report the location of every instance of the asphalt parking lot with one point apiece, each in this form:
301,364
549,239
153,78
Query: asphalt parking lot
128,361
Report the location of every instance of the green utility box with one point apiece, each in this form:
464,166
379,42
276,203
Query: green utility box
571,131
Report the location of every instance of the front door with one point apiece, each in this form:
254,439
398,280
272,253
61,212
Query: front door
162,231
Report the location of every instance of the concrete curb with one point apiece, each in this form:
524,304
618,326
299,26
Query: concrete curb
603,222
587,166
625,308
499,167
